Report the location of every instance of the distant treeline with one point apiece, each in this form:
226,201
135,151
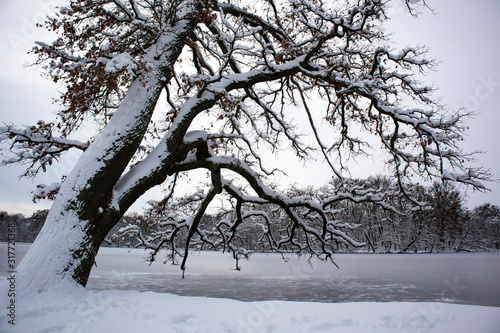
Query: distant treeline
441,224
26,228
446,225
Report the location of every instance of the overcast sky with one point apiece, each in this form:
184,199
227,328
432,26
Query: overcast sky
463,35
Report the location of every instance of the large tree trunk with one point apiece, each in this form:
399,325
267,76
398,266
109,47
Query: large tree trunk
83,212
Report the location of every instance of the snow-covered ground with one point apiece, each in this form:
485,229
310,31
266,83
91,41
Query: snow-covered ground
74,309
89,311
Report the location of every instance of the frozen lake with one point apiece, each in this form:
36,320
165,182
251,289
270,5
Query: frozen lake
463,278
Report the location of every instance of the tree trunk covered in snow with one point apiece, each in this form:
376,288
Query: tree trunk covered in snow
83,212
233,77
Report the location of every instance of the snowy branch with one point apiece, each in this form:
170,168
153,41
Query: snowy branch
36,146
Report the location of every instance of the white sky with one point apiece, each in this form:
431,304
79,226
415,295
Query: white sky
462,35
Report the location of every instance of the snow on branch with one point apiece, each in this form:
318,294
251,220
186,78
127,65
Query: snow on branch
36,146
310,228
43,191
303,221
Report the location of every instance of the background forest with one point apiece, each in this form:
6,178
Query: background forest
444,225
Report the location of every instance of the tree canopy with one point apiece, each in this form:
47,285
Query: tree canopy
234,76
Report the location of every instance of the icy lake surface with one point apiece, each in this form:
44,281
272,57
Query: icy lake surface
462,278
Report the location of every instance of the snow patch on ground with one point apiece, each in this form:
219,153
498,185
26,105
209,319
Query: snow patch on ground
80,310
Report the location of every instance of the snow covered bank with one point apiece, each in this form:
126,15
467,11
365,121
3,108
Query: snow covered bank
80,310
439,279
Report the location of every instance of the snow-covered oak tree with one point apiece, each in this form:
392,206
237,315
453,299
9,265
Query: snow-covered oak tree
234,75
